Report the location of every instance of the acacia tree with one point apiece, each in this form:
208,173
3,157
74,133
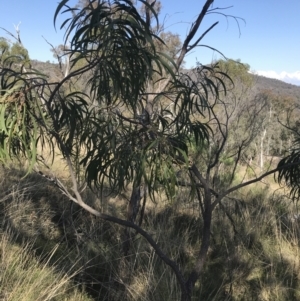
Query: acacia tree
126,133
134,125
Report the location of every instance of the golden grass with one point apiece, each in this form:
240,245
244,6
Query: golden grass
260,262
25,277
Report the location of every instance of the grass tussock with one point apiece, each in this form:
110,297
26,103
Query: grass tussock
25,277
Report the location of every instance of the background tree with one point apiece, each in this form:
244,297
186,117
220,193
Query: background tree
13,52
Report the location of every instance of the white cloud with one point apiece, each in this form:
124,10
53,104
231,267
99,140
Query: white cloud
292,78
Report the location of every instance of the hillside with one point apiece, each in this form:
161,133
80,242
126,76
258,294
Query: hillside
276,86
261,83
47,68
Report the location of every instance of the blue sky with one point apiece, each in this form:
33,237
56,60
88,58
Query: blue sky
269,41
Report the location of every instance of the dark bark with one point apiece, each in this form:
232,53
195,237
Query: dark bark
193,30
132,212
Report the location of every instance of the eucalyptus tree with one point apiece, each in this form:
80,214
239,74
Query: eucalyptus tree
13,52
136,123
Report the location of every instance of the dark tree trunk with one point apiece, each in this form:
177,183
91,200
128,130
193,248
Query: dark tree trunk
132,212
205,241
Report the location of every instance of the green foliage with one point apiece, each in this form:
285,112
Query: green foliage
289,170
13,53
4,48
238,72
19,53
126,132
19,111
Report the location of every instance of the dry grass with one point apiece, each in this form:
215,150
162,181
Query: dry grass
253,256
25,277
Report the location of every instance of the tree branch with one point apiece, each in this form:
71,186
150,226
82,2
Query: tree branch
189,48
270,172
194,28
78,199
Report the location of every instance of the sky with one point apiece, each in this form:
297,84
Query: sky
265,34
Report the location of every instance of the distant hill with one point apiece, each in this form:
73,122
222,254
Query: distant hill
291,78
51,70
276,86
262,83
